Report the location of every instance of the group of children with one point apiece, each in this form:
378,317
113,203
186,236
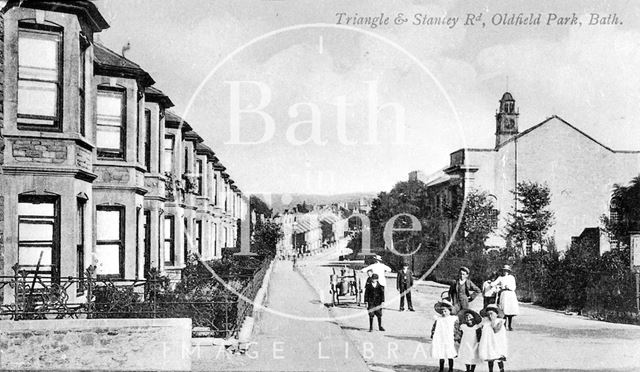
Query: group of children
481,337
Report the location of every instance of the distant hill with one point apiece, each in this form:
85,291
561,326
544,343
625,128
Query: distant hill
280,202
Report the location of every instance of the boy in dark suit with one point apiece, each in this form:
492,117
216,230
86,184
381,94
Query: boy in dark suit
374,297
404,284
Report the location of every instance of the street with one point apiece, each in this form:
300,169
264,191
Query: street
543,340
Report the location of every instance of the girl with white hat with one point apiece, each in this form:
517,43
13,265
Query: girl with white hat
493,341
443,334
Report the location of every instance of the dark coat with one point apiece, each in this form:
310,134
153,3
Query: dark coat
374,296
461,300
404,281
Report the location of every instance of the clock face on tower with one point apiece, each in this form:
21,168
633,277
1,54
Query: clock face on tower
508,123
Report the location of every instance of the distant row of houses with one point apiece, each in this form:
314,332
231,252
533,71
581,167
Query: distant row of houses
309,231
96,169
580,171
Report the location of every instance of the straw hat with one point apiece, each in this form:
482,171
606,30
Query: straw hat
443,303
465,269
477,318
506,268
494,308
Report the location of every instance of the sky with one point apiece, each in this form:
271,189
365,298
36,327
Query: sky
292,102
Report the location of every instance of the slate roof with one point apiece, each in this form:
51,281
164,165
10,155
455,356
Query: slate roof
191,135
109,63
154,94
172,119
203,149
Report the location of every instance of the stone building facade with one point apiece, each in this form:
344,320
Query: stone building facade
95,168
579,170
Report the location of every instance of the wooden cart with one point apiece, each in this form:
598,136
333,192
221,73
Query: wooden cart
345,285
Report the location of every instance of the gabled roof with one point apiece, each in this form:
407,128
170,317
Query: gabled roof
329,218
203,149
219,167
109,63
549,119
191,135
154,94
172,120
81,8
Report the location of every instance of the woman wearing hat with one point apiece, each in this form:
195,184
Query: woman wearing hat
468,350
508,301
443,334
493,341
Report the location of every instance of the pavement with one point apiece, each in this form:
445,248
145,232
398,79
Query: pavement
303,332
294,333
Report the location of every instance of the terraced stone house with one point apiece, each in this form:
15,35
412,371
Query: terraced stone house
96,169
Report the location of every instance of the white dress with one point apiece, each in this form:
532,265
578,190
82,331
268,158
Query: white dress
442,344
493,345
380,269
508,299
468,351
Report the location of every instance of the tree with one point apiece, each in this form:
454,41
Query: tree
625,204
531,221
409,197
302,208
266,237
478,219
260,207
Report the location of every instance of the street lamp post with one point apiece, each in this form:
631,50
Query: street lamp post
295,248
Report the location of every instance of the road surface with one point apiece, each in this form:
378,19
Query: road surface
313,336
543,340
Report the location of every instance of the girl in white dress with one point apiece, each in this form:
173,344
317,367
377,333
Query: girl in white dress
468,351
493,342
508,301
443,332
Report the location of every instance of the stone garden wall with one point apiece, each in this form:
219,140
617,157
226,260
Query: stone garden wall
96,344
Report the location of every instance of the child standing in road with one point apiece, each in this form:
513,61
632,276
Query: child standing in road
470,328
443,334
493,342
374,297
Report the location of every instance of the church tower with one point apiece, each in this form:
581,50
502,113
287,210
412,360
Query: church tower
506,119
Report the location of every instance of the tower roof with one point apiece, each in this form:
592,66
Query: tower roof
506,97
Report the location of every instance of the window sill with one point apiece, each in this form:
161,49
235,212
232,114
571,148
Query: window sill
33,133
174,267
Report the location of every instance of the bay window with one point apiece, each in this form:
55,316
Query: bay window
110,241
80,226
39,77
168,153
147,140
39,235
185,240
169,241
198,237
111,123
199,172
82,82
147,243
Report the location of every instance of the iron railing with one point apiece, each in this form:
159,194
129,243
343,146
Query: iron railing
36,296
